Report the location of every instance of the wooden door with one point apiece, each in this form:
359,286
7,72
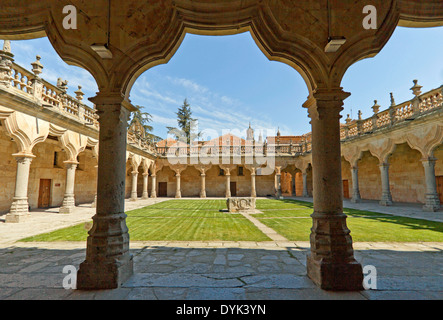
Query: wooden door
44,193
233,189
162,189
346,189
439,181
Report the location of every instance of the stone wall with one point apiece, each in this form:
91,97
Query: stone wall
406,175
369,177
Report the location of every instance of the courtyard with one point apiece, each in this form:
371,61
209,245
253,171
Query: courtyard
210,254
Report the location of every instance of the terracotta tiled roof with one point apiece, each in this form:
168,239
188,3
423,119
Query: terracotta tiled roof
226,139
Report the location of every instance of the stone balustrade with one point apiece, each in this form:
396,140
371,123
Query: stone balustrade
420,105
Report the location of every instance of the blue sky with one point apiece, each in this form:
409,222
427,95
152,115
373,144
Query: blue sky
229,83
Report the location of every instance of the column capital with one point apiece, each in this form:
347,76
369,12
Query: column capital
70,163
428,160
326,103
106,99
384,164
23,156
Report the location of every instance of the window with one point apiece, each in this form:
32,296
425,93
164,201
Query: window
55,159
240,171
221,172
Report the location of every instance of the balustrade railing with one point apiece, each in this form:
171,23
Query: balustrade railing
420,105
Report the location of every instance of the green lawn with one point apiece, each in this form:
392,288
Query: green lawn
201,220
292,220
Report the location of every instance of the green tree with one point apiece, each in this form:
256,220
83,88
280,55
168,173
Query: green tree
186,131
145,119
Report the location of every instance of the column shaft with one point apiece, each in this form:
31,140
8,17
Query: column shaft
228,185
134,195
178,193
278,194
253,190
203,185
154,186
355,185
432,198
305,193
386,197
68,199
20,207
145,186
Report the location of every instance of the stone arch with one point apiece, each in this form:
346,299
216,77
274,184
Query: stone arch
73,143
22,129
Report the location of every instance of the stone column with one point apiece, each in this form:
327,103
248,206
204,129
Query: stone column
178,192
278,193
305,193
228,183
108,260
20,207
386,198
432,203
134,186
203,185
355,186
145,186
153,186
253,190
69,199
330,264
94,203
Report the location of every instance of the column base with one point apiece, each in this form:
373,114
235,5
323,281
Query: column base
386,203
356,200
66,210
145,196
15,218
386,199
19,211
202,196
336,276
432,203
94,204
94,276
68,205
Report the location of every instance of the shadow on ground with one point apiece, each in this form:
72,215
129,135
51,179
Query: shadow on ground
168,273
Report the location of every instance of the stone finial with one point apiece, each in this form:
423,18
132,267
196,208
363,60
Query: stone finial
375,107
79,94
416,89
392,100
348,119
359,114
62,84
37,67
7,46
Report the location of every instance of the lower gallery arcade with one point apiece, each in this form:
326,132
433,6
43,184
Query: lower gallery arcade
50,166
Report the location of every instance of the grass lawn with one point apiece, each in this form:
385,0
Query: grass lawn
174,220
201,220
292,220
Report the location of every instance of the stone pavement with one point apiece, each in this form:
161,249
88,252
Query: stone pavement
273,270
